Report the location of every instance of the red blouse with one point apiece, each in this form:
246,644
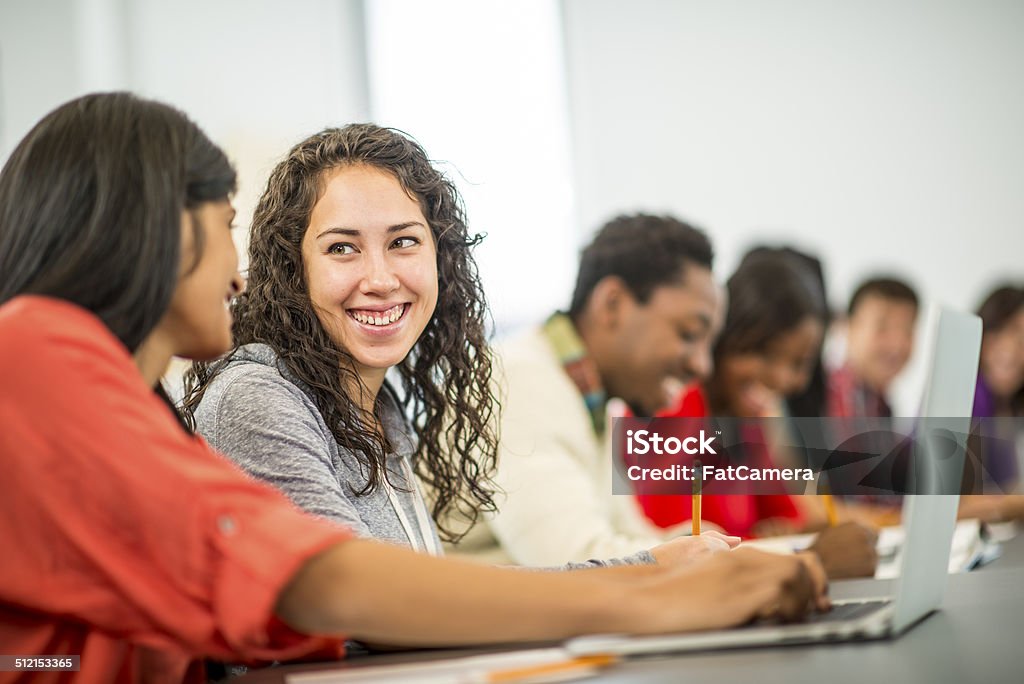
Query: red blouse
736,514
129,542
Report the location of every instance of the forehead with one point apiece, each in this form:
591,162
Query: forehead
800,339
1017,321
365,196
208,216
877,306
742,363
695,296
1012,329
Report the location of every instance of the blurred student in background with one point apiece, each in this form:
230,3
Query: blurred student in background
767,351
880,324
809,402
999,404
643,315
777,316
1000,390
640,325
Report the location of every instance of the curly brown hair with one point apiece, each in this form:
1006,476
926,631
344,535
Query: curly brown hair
446,377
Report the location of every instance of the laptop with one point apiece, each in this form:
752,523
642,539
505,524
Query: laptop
929,521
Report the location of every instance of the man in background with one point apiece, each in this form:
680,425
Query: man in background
880,338
643,315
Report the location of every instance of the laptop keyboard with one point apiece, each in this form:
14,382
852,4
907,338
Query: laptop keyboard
839,612
847,611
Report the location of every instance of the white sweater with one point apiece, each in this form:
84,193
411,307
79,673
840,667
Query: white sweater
555,471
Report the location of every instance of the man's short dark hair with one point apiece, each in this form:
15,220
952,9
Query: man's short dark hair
886,288
645,251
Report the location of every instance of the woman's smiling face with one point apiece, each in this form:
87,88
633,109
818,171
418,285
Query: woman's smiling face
371,267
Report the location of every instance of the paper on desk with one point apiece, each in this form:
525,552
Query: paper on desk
785,544
467,669
1003,531
968,547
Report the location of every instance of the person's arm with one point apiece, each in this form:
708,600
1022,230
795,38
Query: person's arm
380,593
844,551
127,525
267,426
676,552
992,508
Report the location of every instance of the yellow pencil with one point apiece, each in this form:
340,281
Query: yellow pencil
695,497
830,509
580,666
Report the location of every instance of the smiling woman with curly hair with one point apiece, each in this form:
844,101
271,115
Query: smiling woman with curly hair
359,262
360,268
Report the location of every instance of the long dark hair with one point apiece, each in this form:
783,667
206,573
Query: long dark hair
811,402
1001,305
91,202
770,293
446,379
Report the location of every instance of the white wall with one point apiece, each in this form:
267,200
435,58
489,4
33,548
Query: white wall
38,67
257,75
481,86
884,135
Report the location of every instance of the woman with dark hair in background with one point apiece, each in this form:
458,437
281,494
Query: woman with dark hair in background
810,401
1000,390
767,351
771,342
141,549
998,408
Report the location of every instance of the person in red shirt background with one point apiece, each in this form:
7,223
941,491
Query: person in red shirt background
767,350
999,407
